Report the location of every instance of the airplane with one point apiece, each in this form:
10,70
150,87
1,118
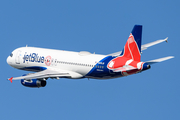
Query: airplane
50,63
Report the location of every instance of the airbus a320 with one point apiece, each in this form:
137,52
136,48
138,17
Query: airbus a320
50,63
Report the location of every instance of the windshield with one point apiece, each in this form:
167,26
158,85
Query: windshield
11,54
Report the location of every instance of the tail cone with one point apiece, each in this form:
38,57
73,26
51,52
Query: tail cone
146,66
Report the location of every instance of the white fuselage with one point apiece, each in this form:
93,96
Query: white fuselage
35,59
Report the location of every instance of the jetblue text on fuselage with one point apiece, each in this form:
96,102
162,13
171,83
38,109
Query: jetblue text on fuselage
33,57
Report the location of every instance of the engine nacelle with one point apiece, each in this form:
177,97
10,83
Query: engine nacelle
34,83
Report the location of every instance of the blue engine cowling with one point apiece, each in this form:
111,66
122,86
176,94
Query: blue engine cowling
34,83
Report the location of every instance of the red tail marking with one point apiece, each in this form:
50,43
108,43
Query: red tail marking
127,50
131,51
135,53
126,73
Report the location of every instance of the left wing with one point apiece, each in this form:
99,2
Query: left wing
49,73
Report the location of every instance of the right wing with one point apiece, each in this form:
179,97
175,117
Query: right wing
143,47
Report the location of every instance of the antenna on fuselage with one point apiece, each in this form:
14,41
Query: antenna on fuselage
26,45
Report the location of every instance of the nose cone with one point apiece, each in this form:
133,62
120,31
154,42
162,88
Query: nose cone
9,61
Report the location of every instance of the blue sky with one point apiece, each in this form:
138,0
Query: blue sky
96,26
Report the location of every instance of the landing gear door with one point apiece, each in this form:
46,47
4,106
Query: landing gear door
17,59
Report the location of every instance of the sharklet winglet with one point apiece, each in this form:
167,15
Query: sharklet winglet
10,79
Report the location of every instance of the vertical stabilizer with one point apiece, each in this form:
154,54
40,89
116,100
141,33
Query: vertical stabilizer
137,33
132,48
131,54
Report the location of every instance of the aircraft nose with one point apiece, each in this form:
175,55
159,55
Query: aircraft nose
8,60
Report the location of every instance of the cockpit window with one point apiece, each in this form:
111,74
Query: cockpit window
11,54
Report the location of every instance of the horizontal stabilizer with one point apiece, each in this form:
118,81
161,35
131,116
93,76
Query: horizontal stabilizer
159,60
145,46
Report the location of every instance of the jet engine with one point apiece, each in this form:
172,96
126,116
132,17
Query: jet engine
34,83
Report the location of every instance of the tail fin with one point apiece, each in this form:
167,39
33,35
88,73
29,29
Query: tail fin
132,48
